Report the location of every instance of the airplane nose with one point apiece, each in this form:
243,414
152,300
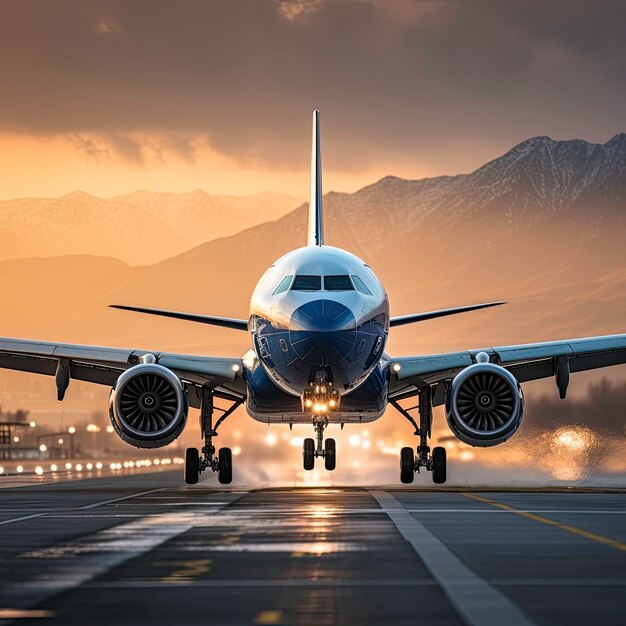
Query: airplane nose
322,332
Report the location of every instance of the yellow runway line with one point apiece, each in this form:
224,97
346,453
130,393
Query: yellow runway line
613,543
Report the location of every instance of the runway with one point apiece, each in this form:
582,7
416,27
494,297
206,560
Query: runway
142,548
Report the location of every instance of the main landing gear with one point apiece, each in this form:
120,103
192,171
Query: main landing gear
311,449
410,462
196,462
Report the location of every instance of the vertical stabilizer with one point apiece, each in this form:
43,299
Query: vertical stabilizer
316,217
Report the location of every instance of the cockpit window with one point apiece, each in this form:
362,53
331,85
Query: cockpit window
338,283
360,285
307,283
283,285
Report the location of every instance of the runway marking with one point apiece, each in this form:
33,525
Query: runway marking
25,614
613,543
278,582
351,582
134,495
269,618
186,571
21,519
72,564
474,599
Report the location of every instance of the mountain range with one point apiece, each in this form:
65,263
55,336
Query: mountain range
138,228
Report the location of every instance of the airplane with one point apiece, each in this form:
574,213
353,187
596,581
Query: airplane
319,322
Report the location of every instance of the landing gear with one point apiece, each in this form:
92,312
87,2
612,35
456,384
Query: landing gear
311,449
196,463
409,464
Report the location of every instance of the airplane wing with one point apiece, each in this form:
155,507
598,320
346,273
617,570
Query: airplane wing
102,365
525,361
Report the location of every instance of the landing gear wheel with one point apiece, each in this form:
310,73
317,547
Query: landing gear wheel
308,454
225,473
407,465
439,465
330,454
192,466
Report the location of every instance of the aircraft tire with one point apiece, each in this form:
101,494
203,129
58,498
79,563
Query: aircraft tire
407,465
192,466
439,465
330,454
225,472
308,454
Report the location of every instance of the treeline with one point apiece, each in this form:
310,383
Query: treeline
602,408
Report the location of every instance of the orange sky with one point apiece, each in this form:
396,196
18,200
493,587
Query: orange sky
110,96
49,166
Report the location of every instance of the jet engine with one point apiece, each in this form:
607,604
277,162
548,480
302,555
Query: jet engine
148,406
485,404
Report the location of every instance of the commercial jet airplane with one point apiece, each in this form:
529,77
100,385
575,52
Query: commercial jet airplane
319,323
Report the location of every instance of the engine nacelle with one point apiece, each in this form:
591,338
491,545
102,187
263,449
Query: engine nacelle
485,405
148,406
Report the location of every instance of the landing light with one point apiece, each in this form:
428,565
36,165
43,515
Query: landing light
235,367
397,367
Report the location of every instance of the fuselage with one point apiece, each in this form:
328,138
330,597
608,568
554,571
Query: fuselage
318,316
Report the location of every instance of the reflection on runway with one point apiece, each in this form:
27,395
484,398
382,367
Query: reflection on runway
144,549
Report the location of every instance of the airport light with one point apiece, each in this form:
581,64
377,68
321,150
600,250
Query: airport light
93,428
53,467
71,430
16,439
110,428
60,441
32,423
39,470
19,469
43,447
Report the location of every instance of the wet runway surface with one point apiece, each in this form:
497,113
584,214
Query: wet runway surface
143,549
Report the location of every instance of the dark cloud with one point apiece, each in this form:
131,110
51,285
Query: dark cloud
392,81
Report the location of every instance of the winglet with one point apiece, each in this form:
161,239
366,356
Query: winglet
316,218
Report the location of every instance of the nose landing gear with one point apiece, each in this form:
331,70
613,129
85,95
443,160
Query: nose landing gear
196,463
411,463
311,449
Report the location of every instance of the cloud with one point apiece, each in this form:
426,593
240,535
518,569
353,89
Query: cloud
295,9
139,150
447,83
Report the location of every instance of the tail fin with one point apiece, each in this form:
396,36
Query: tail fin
316,217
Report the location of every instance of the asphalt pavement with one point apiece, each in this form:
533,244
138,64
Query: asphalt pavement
143,548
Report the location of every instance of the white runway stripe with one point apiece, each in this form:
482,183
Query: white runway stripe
72,564
474,599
